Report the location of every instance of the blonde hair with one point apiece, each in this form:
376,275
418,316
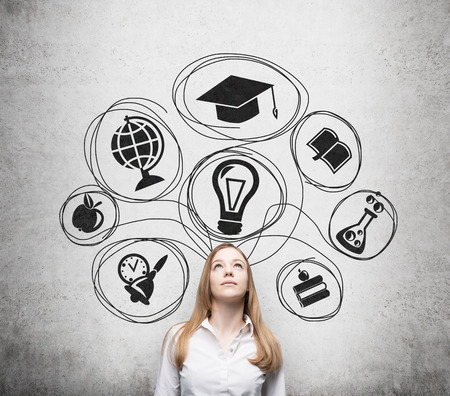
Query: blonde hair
268,356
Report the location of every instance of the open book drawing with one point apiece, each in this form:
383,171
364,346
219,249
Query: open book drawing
329,149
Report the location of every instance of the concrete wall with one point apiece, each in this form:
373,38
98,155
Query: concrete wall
382,66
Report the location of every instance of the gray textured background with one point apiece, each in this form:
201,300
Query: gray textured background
383,65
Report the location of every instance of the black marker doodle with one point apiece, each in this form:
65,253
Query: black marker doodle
327,295
236,98
353,237
315,302
129,259
82,220
198,187
134,270
241,110
222,97
131,134
86,217
310,291
235,181
139,144
337,146
329,149
373,229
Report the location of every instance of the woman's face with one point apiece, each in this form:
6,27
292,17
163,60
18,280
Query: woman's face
228,276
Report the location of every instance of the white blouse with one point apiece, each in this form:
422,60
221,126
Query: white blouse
208,371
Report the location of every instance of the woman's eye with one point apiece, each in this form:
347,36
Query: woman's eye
217,266
238,265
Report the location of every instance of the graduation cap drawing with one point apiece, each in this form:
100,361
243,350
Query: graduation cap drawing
236,98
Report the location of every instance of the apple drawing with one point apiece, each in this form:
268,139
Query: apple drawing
86,217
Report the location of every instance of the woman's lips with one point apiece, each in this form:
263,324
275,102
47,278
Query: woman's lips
229,283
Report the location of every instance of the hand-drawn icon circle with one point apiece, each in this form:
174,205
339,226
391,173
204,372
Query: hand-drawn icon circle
131,135
89,216
237,96
141,280
363,224
327,151
309,289
232,195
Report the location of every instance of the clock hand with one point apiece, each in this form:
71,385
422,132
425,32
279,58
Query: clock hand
135,265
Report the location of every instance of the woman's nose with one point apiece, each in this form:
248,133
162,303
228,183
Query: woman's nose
228,271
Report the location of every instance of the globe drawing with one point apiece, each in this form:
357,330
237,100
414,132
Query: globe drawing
139,144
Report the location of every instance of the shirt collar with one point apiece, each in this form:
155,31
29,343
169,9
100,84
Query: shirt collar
247,320
249,323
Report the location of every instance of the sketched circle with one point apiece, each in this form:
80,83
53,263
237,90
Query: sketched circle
290,97
116,168
111,256
108,207
200,197
287,275
314,168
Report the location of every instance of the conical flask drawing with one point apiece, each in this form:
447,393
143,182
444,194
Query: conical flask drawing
353,238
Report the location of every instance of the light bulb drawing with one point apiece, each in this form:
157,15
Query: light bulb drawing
235,181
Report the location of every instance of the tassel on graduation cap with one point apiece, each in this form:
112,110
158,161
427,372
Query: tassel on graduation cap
275,110
236,99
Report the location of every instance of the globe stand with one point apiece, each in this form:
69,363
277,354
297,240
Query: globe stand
147,180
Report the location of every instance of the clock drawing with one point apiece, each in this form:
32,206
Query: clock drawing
132,267
134,270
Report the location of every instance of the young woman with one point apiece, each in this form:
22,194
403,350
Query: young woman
225,348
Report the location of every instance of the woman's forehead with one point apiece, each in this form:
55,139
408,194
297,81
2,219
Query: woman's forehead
228,253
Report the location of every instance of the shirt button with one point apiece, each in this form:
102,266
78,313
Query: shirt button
231,349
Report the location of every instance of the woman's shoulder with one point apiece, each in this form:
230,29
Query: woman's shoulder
172,335
175,330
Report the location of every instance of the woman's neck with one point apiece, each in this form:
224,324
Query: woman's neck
227,318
